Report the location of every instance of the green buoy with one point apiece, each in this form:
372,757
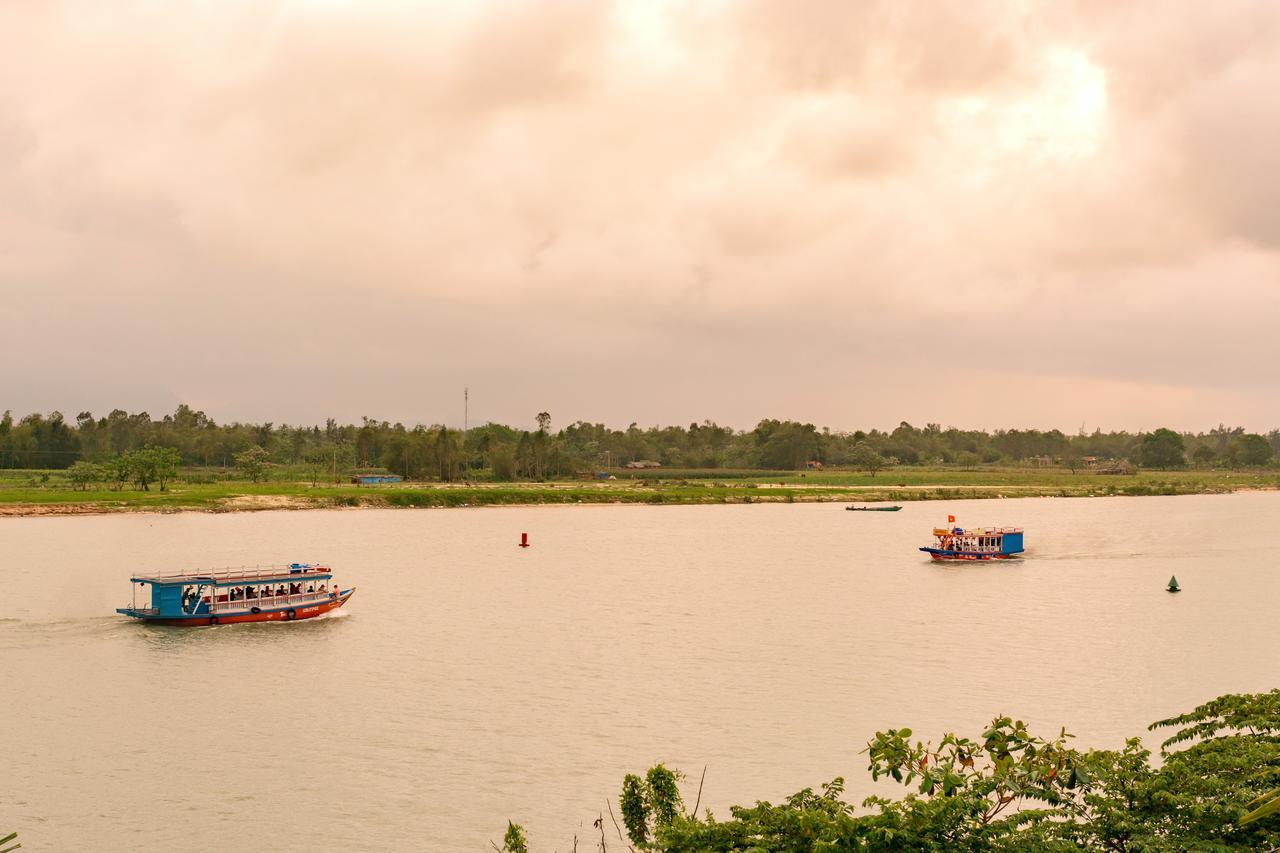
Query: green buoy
1173,584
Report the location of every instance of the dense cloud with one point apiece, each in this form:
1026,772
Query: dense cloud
644,211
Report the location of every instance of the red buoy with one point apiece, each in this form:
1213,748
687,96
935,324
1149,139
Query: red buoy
524,540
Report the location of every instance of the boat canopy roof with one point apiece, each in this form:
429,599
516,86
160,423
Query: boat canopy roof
240,576
975,531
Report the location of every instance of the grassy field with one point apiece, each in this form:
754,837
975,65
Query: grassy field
47,492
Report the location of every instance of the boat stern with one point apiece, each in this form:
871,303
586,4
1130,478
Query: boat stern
137,612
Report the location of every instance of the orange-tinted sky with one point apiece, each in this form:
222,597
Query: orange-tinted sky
853,213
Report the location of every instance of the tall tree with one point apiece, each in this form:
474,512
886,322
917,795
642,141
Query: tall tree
1161,449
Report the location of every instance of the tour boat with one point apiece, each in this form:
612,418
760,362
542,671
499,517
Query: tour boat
247,594
873,508
974,543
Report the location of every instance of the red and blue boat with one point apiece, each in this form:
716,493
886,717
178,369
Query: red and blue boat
974,543
247,594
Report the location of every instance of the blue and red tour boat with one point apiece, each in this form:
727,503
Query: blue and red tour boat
247,594
974,543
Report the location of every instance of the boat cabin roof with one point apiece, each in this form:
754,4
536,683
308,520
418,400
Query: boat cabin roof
240,576
975,531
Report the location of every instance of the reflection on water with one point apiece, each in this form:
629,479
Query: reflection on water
469,681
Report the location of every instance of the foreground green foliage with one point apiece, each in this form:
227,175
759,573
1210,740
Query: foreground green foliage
651,804
13,836
1009,789
514,841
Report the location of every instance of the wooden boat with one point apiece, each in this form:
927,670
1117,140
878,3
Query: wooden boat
873,508
248,594
974,543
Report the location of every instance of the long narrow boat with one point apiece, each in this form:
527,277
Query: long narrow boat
248,594
975,543
873,508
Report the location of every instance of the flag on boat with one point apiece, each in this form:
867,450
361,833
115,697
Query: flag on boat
951,519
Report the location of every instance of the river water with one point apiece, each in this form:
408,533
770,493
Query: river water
470,681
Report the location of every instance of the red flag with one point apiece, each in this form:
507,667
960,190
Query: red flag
951,519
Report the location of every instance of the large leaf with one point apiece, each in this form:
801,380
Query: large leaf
1265,810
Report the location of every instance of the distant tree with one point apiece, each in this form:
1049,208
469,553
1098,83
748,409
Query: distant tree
1161,449
544,422
141,465
83,474
865,458
253,462
1203,456
318,460
1249,451
502,462
785,444
967,460
166,461
116,472
446,453
1072,459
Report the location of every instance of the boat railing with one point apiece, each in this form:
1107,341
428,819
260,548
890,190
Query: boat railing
247,573
269,601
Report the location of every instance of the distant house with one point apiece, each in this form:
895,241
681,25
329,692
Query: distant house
815,465
375,479
644,463
1042,461
1117,467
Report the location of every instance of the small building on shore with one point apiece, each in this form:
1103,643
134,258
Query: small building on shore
375,478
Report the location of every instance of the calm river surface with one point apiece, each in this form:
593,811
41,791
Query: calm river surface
469,681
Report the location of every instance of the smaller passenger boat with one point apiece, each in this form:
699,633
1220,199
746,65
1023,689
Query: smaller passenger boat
974,543
873,508
248,594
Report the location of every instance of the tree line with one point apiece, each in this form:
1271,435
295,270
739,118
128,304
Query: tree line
50,441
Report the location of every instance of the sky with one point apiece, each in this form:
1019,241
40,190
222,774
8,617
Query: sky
979,214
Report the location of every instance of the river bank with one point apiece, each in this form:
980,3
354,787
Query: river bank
901,486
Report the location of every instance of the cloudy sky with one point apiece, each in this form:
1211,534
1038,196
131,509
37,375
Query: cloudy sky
852,213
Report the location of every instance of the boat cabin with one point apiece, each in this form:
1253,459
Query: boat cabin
975,543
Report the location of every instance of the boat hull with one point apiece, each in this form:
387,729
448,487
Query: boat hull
283,614
970,556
